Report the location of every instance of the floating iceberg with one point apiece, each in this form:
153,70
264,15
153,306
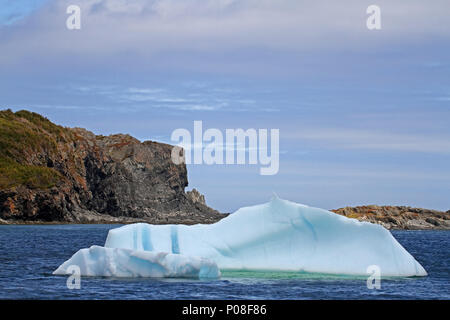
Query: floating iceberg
279,235
101,261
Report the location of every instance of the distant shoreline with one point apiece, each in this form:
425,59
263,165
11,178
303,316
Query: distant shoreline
399,217
390,217
102,220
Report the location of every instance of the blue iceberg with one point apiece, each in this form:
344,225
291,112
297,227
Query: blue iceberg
276,236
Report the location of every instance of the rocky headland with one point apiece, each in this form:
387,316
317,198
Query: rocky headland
53,174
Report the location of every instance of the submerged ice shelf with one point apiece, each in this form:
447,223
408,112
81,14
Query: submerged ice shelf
275,236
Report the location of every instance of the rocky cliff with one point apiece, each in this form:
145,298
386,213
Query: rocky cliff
49,173
399,217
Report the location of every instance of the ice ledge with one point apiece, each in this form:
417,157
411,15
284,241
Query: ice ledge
115,262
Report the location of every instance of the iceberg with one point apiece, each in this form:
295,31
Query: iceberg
116,262
275,236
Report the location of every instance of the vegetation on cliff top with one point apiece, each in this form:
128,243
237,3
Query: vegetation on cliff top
22,135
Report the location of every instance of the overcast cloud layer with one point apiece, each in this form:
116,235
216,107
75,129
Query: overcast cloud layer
145,30
363,115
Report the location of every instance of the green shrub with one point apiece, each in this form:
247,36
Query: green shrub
36,177
24,134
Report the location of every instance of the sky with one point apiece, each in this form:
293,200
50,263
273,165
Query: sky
363,114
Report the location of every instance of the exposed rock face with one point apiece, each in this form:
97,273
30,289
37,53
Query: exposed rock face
89,178
399,217
196,197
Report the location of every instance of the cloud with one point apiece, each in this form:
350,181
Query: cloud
145,90
182,98
145,33
60,107
349,171
348,139
13,10
442,98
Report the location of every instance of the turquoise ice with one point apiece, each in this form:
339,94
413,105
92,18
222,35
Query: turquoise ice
278,236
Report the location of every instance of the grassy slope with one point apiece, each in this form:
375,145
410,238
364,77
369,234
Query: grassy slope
22,135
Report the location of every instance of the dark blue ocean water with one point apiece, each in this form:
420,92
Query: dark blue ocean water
29,254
